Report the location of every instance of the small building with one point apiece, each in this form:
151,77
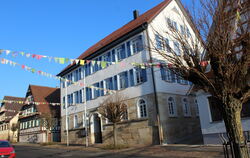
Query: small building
9,113
158,107
38,108
212,124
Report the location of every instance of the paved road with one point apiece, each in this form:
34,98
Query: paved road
36,151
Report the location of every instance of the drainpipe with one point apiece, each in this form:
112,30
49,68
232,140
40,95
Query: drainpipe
154,87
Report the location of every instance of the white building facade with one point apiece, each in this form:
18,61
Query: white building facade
158,107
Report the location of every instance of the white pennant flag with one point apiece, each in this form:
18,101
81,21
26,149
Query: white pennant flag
77,61
7,52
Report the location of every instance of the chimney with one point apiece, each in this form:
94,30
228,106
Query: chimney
136,14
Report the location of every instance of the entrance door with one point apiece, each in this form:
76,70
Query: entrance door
97,129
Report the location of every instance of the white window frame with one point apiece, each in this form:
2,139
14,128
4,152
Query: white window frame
197,113
174,108
186,107
75,121
139,109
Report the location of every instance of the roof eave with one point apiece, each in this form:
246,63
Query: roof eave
130,34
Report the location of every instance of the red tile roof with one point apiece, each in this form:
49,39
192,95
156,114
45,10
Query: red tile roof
12,108
144,18
47,95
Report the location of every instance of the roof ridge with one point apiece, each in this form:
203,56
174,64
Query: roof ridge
123,30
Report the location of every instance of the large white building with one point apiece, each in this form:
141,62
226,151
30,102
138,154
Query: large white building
159,109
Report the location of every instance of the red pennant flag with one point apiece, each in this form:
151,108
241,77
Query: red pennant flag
170,65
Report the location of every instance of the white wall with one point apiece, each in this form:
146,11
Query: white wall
159,24
209,127
110,71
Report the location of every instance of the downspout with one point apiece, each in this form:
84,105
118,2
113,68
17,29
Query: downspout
154,87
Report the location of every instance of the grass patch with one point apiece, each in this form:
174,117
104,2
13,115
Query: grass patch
117,147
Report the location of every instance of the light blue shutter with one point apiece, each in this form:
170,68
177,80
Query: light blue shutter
115,83
131,77
128,49
163,74
144,75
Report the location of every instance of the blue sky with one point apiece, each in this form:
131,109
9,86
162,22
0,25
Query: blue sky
59,28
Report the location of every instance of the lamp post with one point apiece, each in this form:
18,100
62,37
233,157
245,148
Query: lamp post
85,113
67,119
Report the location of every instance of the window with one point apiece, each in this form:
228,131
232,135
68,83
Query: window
113,56
182,30
142,108
76,96
109,84
125,115
80,74
167,45
76,75
186,107
128,49
177,48
87,69
245,112
174,24
123,80
96,90
137,44
196,107
214,110
70,79
121,54
115,83
80,96
101,91
70,99
140,75
171,23
107,58
167,75
95,66
75,121
37,123
88,93
171,107
159,42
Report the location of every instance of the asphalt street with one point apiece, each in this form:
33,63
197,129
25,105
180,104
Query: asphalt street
37,151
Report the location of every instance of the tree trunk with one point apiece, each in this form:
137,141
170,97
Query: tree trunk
232,119
114,135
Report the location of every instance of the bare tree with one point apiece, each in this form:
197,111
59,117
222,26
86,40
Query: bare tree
48,122
220,64
14,128
114,110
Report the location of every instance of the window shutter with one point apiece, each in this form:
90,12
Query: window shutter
115,83
140,44
163,74
178,78
173,76
131,77
144,75
126,79
128,49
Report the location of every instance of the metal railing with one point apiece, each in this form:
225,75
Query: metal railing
228,145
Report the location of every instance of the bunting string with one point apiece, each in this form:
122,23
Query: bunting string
39,72
102,64
27,102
